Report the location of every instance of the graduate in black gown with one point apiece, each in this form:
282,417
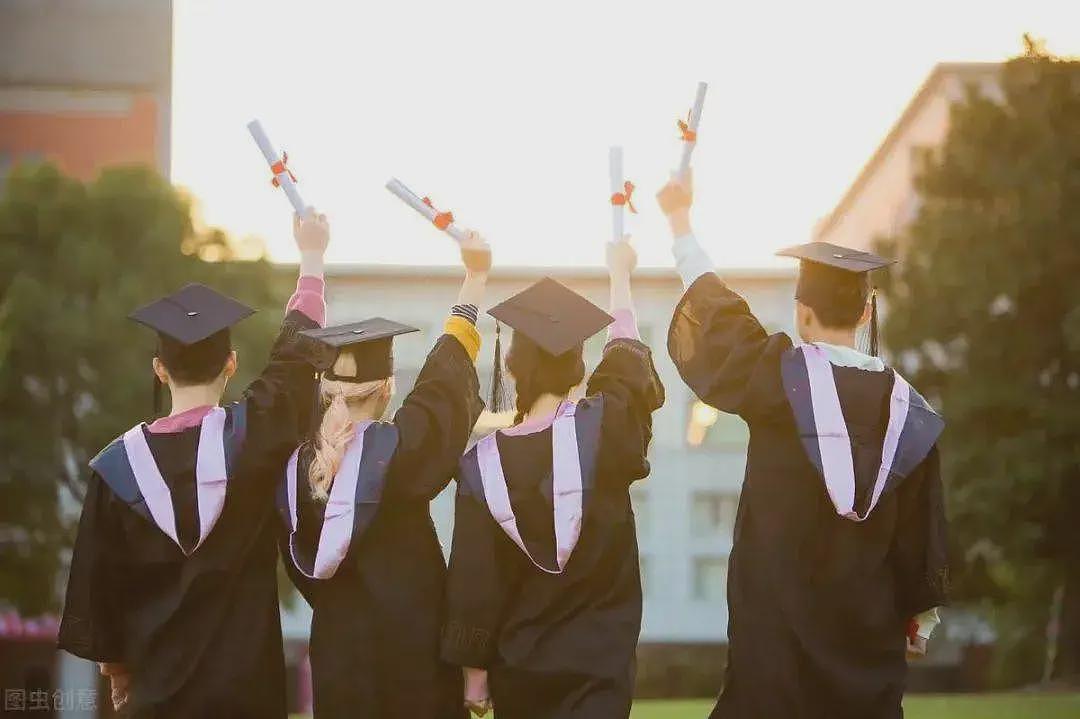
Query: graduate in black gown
173,578
840,532
357,534
544,593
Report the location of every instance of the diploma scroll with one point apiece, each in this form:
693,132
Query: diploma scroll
622,192
442,220
283,178
690,127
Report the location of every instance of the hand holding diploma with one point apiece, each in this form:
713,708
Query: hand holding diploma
442,220
622,191
283,177
689,128
675,200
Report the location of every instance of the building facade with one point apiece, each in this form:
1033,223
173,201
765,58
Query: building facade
85,84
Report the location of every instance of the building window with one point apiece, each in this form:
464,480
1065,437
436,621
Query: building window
709,428
712,514
645,567
710,579
639,500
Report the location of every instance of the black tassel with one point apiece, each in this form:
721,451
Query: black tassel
157,397
496,404
873,323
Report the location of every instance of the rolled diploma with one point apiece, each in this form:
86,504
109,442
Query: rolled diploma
284,179
695,118
616,171
414,201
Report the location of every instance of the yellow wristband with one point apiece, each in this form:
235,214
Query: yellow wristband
464,332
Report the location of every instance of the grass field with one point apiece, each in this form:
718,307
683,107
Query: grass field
983,706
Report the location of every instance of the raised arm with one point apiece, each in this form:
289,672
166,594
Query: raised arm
279,400
437,417
626,378
720,349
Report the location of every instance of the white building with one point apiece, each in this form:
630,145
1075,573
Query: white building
686,508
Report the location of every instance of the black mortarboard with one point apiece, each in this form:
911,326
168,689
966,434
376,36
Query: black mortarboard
835,269
371,341
842,258
192,315
553,316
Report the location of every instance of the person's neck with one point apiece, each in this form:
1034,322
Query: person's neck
546,404
193,396
838,337
365,411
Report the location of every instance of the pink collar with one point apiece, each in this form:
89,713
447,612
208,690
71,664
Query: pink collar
179,422
538,423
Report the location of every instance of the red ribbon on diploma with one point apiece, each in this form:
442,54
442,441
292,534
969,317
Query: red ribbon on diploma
280,168
442,220
625,197
688,135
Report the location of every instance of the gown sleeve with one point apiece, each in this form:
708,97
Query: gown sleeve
434,422
920,548
723,353
89,627
279,401
631,388
480,584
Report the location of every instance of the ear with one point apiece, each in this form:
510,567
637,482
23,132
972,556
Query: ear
865,316
805,318
160,370
231,363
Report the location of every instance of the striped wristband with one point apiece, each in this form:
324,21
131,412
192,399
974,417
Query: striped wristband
466,312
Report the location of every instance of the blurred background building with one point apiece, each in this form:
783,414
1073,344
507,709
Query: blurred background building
85,84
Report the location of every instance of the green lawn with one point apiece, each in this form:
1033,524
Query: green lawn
986,706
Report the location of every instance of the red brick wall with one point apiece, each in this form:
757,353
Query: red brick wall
81,142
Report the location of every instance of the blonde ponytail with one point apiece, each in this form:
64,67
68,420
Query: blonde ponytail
337,428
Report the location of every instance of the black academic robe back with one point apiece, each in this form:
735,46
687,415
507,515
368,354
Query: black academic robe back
558,645
200,632
376,621
818,604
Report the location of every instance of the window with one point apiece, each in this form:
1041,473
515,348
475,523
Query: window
712,514
709,428
710,579
639,500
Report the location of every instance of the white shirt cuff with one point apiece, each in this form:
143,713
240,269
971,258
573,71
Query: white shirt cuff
691,261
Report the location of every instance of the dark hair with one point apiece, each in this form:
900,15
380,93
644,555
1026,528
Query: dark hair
837,297
536,372
196,363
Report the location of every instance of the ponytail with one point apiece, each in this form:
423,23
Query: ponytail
337,428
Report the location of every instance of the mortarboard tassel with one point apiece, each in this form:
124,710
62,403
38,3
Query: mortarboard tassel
496,372
873,323
157,397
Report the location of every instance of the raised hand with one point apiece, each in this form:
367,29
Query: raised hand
675,199
621,257
475,253
312,232
477,696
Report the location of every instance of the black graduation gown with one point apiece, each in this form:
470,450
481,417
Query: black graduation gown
558,645
818,604
200,633
375,627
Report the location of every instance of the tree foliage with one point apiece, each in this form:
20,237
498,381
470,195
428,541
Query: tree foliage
984,313
75,259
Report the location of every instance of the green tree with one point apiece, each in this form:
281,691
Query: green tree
984,314
75,258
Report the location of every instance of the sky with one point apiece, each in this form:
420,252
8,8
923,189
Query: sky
504,112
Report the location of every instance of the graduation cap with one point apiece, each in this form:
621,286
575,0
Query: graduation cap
370,341
191,323
827,270
553,316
